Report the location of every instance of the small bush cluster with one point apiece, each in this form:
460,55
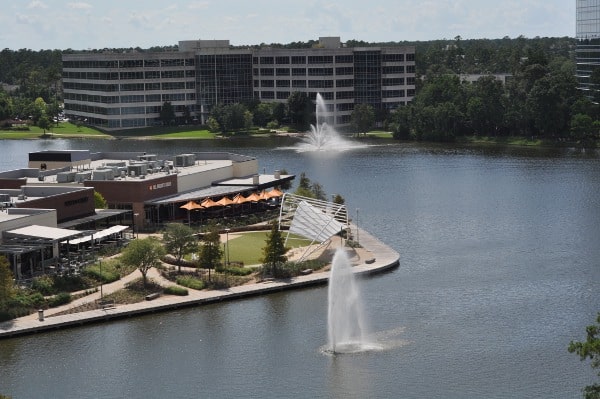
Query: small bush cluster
175,290
237,271
106,275
190,282
59,299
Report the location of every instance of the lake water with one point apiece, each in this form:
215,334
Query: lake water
499,270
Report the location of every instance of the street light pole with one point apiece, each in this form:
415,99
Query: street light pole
101,279
135,233
227,243
357,230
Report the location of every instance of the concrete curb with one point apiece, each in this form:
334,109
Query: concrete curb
385,259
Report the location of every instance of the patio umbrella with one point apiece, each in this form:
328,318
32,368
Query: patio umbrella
274,193
191,205
209,203
238,199
253,197
224,201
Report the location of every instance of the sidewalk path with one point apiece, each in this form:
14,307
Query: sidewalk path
373,257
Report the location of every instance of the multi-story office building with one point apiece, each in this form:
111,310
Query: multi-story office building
588,44
127,90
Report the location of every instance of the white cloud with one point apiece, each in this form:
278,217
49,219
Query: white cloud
37,4
79,6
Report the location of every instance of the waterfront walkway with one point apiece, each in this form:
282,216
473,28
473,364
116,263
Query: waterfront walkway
373,257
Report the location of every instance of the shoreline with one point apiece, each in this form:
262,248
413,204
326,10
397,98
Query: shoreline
383,259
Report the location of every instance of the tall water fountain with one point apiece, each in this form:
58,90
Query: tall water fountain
322,136
346,321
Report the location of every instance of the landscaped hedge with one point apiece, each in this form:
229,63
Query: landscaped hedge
175,290
190,282
60,299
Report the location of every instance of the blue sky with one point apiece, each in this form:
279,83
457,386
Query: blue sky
96,24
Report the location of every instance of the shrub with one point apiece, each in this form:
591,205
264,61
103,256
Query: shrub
27,300
69,283
237,271
107,275
175,290
43,284
59,299
190,282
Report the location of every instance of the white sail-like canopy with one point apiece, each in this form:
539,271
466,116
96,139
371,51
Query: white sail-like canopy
316,224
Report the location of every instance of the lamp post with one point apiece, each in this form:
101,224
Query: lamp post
227,243
101,279
135,234
357,239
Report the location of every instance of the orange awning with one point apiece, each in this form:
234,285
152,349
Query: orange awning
253,197
224,201
208,203
191,205
274,193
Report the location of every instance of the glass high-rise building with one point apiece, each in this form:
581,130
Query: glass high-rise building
127,90
588,45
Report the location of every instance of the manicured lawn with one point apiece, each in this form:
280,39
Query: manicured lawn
195,134
63,129
248,247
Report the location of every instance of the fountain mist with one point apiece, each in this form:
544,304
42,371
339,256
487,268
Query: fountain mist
346,323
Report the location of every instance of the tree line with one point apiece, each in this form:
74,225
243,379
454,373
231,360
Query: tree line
539,99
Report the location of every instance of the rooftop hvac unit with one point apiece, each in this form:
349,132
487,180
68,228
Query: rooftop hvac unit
21,197
81,176
117,164
65,177
137,169
147,157
103,174
4,197
184,160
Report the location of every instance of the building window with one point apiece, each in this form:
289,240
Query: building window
298,59
282,72
298,71
283,83
299,83
266,60
282,60
344,59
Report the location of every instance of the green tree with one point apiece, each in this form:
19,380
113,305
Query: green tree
362,118
338,199
167,113
6,106
274,250
590,349
213,125
38,109
179,240
400,123
143,254
582,126
210,251
99,201
235,117
6,282
300,109
485,110
263,114
44,122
